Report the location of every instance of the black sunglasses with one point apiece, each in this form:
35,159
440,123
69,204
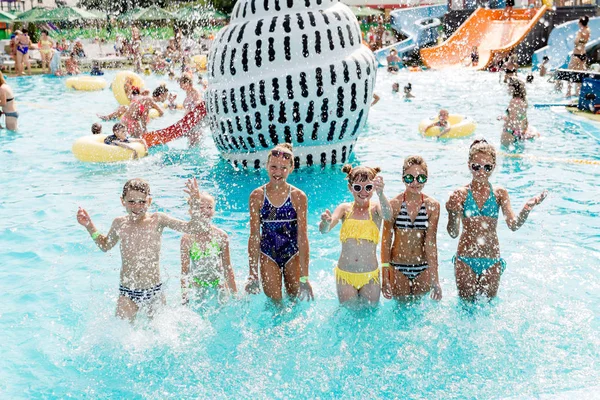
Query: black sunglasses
486,167
421,178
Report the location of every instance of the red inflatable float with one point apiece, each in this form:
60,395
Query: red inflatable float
177,130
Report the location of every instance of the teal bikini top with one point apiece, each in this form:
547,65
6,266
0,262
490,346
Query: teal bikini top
490,207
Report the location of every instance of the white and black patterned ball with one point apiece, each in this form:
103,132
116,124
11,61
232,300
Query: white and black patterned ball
291,71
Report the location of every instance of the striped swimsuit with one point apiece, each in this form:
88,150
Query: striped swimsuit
421,222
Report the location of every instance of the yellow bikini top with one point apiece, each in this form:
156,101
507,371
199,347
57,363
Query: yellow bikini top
359,229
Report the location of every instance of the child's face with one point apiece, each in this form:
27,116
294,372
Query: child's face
203,208
136,203
443,115
121,133
395,87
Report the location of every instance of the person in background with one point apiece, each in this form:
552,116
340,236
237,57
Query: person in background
544,66
45,46
408,91
393,61
96,128
7,102
579,57
72,65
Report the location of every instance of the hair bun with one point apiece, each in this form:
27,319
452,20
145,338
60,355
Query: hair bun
347,168
377,169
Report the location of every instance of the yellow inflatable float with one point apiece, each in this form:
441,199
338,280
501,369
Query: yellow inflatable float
460,126
86,83
92,149
201,60
118,85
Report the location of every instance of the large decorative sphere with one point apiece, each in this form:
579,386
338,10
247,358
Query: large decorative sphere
291,71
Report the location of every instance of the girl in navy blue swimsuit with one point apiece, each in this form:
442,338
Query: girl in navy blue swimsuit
278,232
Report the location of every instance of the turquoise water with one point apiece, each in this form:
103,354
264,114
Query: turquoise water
58,291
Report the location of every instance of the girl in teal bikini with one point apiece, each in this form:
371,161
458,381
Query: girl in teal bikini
477,264
205,261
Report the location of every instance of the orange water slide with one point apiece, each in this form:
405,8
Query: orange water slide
492,31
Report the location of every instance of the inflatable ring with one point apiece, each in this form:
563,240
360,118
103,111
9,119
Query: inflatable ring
92,149
460,126
153,114
118,85
86,83
200,60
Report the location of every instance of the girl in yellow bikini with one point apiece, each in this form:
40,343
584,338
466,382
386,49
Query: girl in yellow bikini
45,46
357,272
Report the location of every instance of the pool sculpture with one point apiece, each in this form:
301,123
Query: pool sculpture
291,71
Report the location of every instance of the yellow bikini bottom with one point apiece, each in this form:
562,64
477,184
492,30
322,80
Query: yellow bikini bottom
356,279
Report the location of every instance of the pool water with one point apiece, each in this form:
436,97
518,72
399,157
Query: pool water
58,291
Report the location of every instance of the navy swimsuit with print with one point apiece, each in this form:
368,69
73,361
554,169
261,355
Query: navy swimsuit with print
279,227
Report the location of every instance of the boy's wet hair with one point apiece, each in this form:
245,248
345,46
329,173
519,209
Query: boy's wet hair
546,58
118,126
159,91
138,185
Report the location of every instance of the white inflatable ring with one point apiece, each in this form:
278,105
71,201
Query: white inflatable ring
92,149
86,83
118,85
460,126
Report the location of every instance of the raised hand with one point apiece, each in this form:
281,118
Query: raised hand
455,202
83,217
534,201
326,216
192,189
378,184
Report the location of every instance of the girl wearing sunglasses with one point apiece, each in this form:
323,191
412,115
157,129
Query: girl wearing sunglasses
357,271
477,264
409,256
278,232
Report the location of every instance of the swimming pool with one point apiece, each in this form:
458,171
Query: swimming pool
58,291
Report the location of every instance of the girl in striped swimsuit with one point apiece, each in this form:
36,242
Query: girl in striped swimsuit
409,256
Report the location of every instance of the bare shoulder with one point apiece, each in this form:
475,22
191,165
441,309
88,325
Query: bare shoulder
221,235
431,203
298,194
119,221
257,194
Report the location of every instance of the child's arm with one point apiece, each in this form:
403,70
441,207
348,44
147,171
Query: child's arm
227,268
142,141
178,225
329,221
128,147
185,267
103,242
375,99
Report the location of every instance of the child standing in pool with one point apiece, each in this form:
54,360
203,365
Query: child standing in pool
205,260
357,270
278,232
477,264
140,234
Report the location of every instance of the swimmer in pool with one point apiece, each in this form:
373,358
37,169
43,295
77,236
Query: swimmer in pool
205,260
441,123
395,87
408,91
516,126
409,254
477,264
357,270
140,233
137,115
544,66
120,138
278,232
579,57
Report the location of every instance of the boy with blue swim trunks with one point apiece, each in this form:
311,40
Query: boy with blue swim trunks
140,234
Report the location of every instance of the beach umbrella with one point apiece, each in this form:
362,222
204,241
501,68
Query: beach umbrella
66,14
152,13
365,11
30,15
198,14
6,17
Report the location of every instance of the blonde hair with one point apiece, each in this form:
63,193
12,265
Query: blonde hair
414,160
138,185
360,174
285,147
482,146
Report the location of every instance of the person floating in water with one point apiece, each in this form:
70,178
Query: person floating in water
357,270
205,260
120,138
278,240
477,264
140,234
409,255
441,123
